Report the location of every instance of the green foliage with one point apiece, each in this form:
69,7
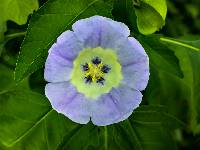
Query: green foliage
15,10
175,77
14,123
148,127
6,78
188,53
47,24
183,18
165,86
150,14
27,120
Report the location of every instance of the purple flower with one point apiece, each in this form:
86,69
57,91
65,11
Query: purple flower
96,72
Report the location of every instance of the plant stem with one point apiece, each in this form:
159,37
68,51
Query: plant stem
14,35
105,138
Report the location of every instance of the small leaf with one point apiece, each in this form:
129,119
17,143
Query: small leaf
47,24
147,16
151,15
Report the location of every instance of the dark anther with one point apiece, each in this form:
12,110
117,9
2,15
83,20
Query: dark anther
88,79
105,69
85,67
96,60
101,80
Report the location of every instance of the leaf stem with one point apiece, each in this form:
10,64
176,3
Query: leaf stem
179,43
14,35
106,137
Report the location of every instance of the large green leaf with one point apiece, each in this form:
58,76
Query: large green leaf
165,86
15,10
17,117
6,77
188,53
147,129
47,24
27,121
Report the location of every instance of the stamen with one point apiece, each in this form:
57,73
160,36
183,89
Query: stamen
105,69
101,80
88,79
96,60
95,71
85,67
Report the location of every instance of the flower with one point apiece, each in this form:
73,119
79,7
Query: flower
96,72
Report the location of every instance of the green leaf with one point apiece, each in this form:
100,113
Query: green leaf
15,10
124,11
160,56
16,114
149,127
165,86
6,77
28,121
47,24
188,53
151,15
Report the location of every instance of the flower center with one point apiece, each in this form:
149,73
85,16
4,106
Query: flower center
95,72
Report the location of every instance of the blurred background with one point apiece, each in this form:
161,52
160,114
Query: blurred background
183,20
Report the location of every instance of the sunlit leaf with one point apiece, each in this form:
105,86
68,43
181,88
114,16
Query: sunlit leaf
47,24
15,10
151,15
147,16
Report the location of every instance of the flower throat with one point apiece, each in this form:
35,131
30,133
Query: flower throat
95,71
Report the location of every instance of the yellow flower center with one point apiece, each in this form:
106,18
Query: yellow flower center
96,71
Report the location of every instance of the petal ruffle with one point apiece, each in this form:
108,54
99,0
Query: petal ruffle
115,106
61,55
65,99
108,109
99,31
67,46
135,64
57,69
